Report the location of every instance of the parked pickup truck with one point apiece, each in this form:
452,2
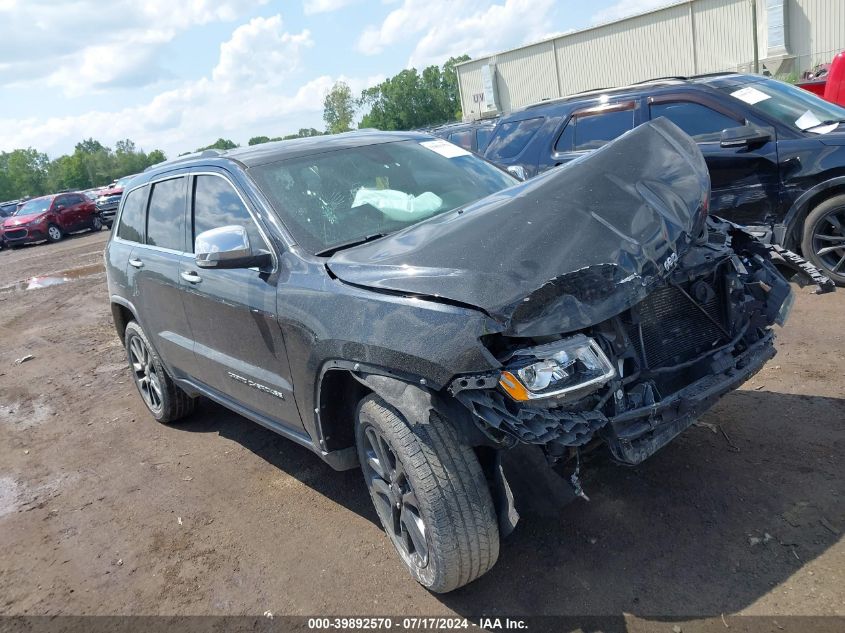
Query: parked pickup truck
831,85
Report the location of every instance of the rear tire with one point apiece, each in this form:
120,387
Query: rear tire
54,233
823,243
163,397
428,479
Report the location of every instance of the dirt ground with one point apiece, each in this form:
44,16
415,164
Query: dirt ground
104,511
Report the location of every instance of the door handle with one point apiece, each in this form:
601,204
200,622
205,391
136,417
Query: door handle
191,277
137,263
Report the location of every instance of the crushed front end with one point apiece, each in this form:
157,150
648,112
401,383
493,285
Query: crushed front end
638,379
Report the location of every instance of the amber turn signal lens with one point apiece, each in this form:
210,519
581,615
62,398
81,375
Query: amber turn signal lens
513,387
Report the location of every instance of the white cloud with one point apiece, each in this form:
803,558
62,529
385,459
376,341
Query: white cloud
310,7
454,27
241,98
626,8
260,52
83,45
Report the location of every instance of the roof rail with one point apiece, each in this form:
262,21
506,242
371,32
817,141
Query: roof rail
667,78
716,74
206,153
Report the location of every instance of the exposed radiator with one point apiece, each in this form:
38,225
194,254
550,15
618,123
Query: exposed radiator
674,329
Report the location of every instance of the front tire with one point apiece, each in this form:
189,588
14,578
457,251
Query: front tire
96,224
824,238
54,233
430,494
163,397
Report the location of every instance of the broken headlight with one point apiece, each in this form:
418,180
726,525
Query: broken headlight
555,369
785,309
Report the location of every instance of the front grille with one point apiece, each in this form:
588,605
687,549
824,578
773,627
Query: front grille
14,234
673,329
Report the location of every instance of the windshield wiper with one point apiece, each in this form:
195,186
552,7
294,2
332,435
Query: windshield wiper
331,250
823,123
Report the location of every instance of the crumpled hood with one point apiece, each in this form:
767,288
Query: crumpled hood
563,251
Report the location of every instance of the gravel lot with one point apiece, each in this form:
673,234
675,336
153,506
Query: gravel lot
103,511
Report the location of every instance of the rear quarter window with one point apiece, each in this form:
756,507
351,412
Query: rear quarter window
131,225
595,130
482,137
462,139
511,137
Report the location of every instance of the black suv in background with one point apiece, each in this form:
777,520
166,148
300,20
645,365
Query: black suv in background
393,301
776,153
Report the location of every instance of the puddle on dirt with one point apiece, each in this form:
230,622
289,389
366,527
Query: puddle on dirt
25,415
56,279
8,495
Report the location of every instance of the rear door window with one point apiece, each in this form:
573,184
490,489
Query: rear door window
511,137
131,224
166,217
700,122
595,130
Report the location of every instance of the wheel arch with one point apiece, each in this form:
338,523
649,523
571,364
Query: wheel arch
342,385
122,312
804,205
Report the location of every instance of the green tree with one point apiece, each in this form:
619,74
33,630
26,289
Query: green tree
221,143
257,140
27,172
339,108
412,99
308,131
155,157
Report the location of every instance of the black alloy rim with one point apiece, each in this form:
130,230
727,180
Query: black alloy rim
394,498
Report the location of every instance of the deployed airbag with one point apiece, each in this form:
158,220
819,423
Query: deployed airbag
398,205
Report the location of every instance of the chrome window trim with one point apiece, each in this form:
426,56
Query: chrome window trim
190,193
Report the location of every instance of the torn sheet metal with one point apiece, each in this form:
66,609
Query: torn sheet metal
562,251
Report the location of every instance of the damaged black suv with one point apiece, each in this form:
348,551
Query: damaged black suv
393,301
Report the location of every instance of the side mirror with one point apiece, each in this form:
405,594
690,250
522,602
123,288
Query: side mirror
60,207
227,247
517,171
746,136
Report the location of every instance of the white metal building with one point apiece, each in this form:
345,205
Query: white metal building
685,38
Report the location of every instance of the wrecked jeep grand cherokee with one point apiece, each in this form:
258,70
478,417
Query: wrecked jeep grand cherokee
393,301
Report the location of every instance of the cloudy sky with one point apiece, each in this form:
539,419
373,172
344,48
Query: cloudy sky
177,74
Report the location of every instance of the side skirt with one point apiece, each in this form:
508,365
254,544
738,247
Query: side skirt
345,459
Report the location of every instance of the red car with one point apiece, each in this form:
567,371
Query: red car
50,218
829,84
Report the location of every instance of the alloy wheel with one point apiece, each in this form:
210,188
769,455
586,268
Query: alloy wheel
97,223
145,373
54,233
394,498
829,240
